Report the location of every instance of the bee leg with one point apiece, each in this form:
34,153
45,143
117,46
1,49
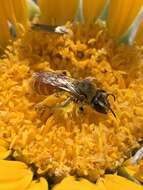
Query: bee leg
81,109
65,103
42,108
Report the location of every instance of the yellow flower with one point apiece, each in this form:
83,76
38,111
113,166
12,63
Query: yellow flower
49,142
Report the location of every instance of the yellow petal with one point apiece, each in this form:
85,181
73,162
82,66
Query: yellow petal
12,11
121,15
139,35
57,12
4,32
21,184
42,184
21,11
92,9
115,182
11,171
14,175
69,183
8,9
109,182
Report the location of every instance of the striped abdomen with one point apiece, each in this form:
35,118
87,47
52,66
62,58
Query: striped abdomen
40,87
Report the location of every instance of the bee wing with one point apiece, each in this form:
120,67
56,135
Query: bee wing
58,80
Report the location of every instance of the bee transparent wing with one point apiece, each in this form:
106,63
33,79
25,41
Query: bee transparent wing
57,80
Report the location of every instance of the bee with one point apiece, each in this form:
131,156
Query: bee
82,91
51,29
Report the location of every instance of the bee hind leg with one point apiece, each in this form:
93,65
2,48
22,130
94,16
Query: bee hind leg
65,103
42,108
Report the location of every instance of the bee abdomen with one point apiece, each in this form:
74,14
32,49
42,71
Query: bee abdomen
40,87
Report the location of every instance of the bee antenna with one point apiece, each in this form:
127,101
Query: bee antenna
113,112
110,94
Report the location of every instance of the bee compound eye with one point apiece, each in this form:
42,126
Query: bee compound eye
99,105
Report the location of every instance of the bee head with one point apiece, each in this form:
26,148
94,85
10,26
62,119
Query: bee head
101,103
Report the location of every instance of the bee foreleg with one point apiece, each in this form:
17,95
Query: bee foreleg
80,106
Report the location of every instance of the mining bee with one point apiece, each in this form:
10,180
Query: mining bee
51,29
82,91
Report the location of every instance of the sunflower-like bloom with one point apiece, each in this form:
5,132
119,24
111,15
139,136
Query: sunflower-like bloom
101,39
